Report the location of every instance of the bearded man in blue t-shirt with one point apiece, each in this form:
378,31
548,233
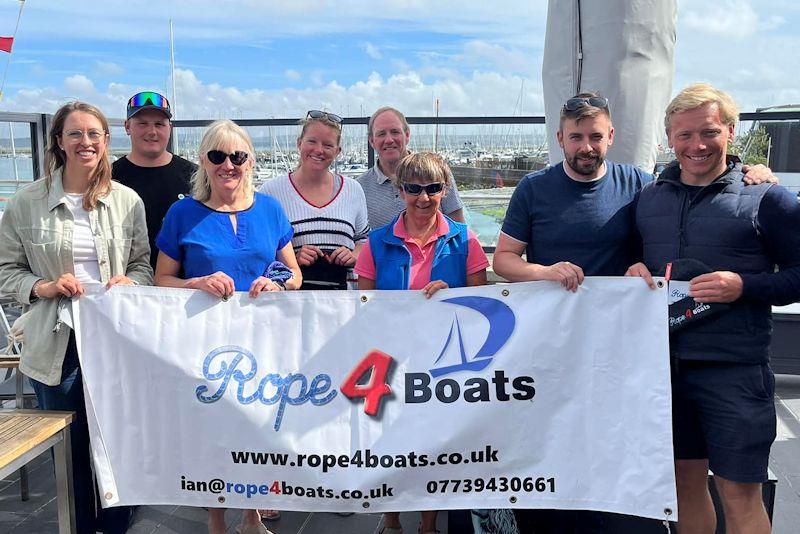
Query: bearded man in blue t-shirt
574,219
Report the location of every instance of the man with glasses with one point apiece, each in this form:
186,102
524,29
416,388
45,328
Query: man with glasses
158,176
388,134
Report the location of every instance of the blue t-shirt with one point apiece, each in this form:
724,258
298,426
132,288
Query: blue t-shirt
590,224
203,241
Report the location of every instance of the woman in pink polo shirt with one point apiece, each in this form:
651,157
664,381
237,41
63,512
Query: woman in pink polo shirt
421,249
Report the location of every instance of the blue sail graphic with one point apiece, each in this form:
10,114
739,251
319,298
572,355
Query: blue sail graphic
501,326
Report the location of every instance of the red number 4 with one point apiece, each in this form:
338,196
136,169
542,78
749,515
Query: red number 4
377,364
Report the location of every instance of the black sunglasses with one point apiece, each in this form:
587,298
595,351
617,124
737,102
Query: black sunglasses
218,157
317,114
416,190
574,104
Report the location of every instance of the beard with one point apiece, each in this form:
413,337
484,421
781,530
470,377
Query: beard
585,168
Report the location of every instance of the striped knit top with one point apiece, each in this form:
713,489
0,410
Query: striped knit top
342,222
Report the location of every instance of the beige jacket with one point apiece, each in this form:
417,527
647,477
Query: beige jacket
36,243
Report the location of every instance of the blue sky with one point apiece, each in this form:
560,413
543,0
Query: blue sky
257,58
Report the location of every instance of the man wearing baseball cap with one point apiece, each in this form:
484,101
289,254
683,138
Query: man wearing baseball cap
158,176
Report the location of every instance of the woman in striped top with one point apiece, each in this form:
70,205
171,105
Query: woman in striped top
328,211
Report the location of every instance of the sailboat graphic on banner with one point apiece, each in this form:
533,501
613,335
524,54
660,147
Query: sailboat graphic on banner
501,326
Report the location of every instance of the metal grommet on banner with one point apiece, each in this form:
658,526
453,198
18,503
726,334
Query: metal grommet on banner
512,499
667,513
505,292
365,505
364,298
221,499
225,298
660,283
109,495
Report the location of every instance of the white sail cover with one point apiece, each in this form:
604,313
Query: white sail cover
625,50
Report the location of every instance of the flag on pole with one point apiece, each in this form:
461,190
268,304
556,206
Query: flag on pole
6,43
498,180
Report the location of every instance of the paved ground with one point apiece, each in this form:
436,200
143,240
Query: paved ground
38,515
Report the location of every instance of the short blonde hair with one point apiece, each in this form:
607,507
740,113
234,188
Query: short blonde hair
700,94
219,134
424,167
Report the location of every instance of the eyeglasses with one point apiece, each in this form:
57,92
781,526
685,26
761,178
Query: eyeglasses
574,104
324,115
416,190
76,136
148,98
218,157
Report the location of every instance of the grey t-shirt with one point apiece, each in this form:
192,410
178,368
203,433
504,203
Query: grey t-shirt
384,202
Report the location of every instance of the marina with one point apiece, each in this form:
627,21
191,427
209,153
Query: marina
482,85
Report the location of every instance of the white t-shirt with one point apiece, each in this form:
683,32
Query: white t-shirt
84,252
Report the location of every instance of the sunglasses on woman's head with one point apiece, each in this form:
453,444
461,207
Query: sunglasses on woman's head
317,114
416,190
218,157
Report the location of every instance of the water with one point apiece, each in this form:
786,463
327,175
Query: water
485,215
8,185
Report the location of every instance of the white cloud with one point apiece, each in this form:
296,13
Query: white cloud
483,91
291,74
372,51
79,85
494,56
732,19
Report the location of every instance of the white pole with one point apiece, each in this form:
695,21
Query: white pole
174,93
14,154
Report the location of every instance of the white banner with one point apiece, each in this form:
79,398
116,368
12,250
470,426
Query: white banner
521,396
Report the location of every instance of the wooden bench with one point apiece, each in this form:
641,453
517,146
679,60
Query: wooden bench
24,435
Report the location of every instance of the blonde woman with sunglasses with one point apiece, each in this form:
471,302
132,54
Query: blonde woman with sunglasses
224,238
327,210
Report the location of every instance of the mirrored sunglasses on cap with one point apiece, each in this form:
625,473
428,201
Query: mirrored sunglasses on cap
574,104
148,99
218,157
416,190
324,115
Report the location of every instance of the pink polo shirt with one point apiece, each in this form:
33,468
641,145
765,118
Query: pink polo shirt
422,257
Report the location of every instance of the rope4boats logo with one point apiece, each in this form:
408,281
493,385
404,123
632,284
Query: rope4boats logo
368,379
419,387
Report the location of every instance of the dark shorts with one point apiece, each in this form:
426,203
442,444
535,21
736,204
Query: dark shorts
724,412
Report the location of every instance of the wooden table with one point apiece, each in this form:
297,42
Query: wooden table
24,435
11,361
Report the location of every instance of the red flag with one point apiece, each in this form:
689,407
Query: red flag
498,180
6,43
